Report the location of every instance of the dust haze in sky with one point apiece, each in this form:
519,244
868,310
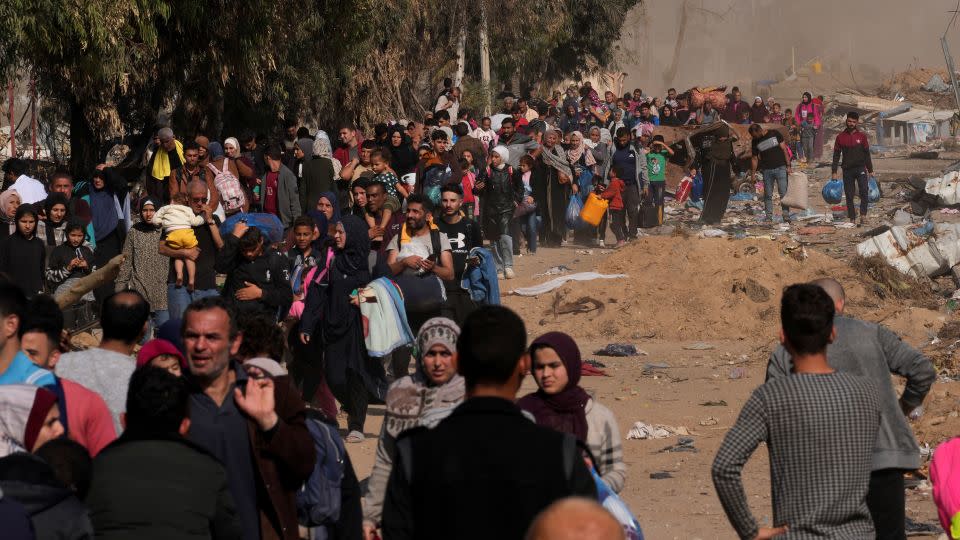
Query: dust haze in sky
742,41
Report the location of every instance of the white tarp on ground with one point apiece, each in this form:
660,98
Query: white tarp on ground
916,255
554,283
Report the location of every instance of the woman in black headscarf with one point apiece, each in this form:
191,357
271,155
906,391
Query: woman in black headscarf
109,227
56,210
402,156
351,374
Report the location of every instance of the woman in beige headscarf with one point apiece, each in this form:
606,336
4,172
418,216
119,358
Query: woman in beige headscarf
9,202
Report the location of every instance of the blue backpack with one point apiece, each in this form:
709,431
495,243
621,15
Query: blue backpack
319,500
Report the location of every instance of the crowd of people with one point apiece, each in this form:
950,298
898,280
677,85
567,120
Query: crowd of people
268,286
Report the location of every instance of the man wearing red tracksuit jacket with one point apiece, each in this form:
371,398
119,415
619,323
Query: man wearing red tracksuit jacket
857,166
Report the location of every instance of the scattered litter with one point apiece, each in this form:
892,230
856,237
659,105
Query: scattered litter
595,363
584,252
911,526
845,225
660,475
751,250
812,217
916,413
699,346
584,304
618,349
902,218
555,271
711,421
718,403
554,283
712,233
589,370
684,444
656,365
949,211
737,373
754,291
641,430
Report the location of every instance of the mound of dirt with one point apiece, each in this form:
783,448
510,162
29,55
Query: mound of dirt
911,84
689,289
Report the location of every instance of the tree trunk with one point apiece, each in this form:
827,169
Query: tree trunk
84,145
484,58
461,59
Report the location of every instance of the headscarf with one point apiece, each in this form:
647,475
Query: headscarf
159,347
554,157
504,154
414,400
103,207
575,152
143,225
566,410
215,151
52,200
356,250
233,142
4,200
403,157
317,215
321,148
306,146
23,409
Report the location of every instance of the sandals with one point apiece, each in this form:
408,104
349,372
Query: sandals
354,437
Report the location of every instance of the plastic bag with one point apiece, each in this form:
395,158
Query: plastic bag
619,509
573,212
268,224
873,190
833,191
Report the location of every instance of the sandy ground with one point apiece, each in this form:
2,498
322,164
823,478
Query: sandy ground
685,505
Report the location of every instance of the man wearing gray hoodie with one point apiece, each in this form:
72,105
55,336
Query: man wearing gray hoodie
870,350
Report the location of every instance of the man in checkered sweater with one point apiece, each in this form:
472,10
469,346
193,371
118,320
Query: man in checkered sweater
819,426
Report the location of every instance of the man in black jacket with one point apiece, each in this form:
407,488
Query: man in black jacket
153,482
258,280
486,470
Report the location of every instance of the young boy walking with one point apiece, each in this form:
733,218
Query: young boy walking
618,214
820,427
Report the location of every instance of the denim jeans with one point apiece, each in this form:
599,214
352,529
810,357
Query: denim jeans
530,225
179,298
769,175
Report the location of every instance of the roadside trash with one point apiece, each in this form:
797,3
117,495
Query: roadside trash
711,421
737,373
712,233
589,369
699,346
902,218
718,403
584,252
924,250
641,431
660,475
916,413
845,225
949,211
557,282
655,365
555,271
873,190
684,444
915,527
617,349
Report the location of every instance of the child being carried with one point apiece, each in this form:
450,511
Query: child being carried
178,221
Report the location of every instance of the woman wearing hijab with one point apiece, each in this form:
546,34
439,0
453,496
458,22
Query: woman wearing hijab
330,317
23,256
317,174
9,201
758,111
561,404
108,229
584,167
328,206
144,269
29,418
402,156
668,117
422,399
51,230
551,189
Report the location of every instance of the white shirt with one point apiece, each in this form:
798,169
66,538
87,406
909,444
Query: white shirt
452,110
29,189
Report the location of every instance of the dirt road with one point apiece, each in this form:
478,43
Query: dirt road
657,310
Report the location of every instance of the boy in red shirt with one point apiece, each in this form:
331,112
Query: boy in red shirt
614,194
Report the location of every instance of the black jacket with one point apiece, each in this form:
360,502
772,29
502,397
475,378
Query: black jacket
158,488
56,512
270,272
317,178
502,190
468,479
